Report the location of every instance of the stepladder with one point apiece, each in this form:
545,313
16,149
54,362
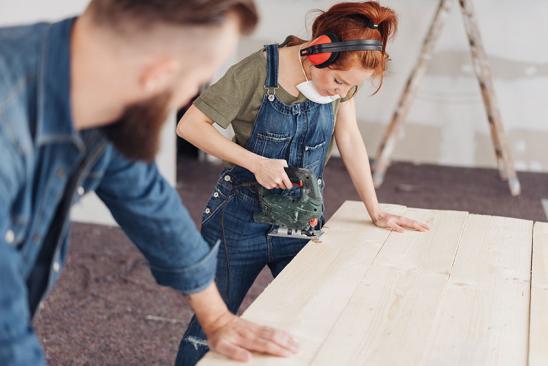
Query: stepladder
484,76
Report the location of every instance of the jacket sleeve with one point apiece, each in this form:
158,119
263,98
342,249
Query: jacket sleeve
151,213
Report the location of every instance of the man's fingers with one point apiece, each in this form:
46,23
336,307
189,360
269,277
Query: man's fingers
240,337
282,338
254,342
232,351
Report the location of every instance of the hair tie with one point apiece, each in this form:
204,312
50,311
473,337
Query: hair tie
364,19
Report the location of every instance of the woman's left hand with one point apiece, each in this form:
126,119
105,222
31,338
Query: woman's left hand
398,223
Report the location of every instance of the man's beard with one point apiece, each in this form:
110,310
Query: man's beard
136,134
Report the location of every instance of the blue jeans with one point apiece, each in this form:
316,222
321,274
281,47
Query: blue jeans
244,251
299,133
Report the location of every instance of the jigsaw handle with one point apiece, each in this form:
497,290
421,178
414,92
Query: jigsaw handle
307,181
294,173
295,176
304,179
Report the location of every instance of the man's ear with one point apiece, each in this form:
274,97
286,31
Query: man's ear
157,76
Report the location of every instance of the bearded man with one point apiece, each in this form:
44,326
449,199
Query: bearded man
82,102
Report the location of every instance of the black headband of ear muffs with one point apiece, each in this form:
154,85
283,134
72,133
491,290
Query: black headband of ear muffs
344,46
337,46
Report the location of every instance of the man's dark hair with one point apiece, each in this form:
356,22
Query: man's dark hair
148,13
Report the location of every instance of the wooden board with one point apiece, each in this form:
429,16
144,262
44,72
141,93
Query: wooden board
538,348
318,283
483,317
391,308
456,295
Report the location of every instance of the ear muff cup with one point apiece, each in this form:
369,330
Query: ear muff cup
324,59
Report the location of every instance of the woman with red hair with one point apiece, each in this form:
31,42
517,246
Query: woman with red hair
285,103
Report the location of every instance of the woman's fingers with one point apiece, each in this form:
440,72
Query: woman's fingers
400,223
412,224
271,174
397,228
286,181
266,184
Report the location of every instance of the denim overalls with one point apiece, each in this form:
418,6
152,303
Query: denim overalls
299,133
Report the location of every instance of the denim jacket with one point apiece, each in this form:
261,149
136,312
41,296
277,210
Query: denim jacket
45,163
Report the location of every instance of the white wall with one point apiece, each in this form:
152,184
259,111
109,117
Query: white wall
448,113
90,209
27,11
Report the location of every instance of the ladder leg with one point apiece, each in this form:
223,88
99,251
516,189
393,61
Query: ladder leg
485,78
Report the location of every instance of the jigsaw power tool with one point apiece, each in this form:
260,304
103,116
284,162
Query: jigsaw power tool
294,213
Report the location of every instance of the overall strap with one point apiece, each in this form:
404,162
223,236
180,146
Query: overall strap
271,82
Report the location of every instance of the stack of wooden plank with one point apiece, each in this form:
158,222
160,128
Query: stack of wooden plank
472,291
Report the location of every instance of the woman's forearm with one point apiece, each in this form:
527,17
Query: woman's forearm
356,160
196,128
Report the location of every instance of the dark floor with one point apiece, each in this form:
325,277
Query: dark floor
107,310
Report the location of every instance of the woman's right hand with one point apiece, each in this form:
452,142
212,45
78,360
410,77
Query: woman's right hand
270,173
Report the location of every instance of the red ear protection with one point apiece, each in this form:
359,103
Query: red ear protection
320,58
325,49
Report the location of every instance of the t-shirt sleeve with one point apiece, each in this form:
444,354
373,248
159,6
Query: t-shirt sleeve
223,101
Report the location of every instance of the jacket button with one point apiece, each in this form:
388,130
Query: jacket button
81,191
227,178
10,236
319,182
56,266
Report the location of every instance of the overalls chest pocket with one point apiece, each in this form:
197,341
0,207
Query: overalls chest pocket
272,145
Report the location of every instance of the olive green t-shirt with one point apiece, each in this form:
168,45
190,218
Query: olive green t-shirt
236,98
